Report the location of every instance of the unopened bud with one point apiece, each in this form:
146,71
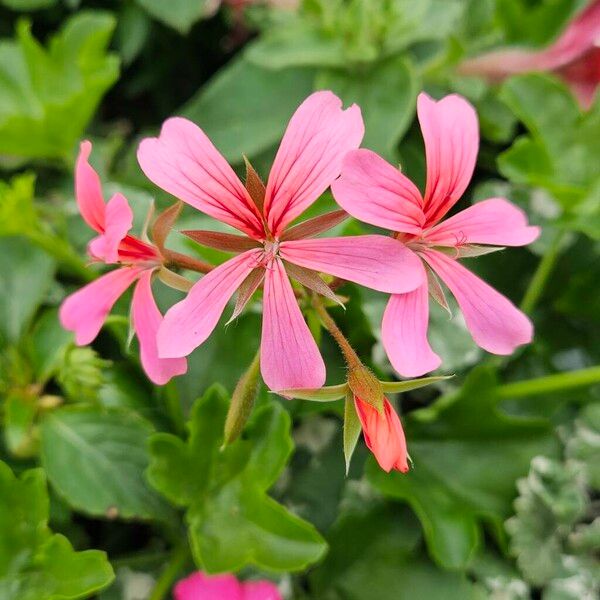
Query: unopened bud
81,374
366,386
242,402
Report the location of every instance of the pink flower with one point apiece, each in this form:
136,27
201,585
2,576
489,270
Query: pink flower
383,435
574,56
185,163
85,311
372,190
199,586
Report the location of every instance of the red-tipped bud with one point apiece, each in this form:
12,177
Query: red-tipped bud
383,435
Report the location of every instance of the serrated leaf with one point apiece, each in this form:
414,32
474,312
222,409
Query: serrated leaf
232,521
95,459
467,455
49,95
36,564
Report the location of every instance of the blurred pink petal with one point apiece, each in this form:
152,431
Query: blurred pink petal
383,435
184,162
118,221
310,156
373,191
188,323
260,590
451,135
289,356
85,311
146,320
574,56
495,221
404,333
199,586
495,323
375,261
88,191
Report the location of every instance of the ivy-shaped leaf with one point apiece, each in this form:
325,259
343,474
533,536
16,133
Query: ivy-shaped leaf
467,455
36,564
49,95
232,521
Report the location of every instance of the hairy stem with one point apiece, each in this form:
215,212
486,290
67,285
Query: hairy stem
349,354
551,383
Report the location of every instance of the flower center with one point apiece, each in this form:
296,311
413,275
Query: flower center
269,253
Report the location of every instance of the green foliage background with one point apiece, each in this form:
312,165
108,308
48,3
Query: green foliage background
110,486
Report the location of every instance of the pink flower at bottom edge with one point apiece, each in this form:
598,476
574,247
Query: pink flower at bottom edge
199,586
85,311
184,162
374,191
574,57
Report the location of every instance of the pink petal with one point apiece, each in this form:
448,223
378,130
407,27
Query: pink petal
88,191
495,221
184,162
146,320
187,324
373,191
494,322
580,36
451,135
383,435
583,76
85,311
199,586
119,220
310,156
375,261
289,356
260,590
404,333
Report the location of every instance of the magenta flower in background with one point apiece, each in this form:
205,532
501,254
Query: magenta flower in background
574,57
199,586
374,191
85,311
184,162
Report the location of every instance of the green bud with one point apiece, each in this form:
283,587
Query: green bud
242,402
81,374
365,385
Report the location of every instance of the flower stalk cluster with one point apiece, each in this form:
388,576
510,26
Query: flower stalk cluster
271,247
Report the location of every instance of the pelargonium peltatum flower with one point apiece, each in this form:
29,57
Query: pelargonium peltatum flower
574,57
383,435
85,311
199,586
184,162
374,191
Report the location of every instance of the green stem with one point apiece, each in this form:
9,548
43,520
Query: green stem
551,383
540,277
167,578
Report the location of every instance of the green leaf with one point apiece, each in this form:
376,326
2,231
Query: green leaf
232,521
20,410
583,444
555,154
178,14
386,94
375,554
26,274
467,455
95,459
36,564
49,95
244,109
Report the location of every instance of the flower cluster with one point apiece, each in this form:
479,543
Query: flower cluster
319,151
